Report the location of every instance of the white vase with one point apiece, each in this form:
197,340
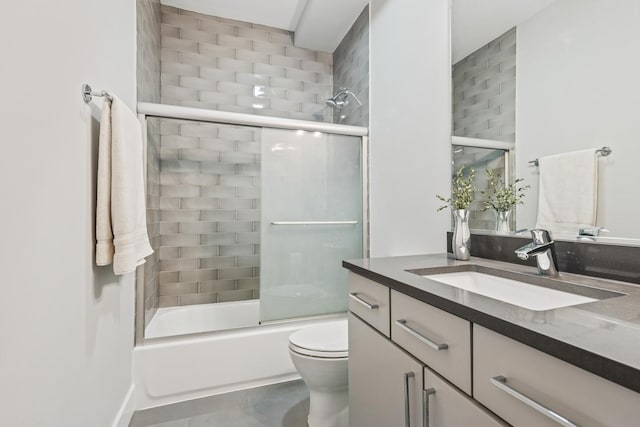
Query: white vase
461,242
502,222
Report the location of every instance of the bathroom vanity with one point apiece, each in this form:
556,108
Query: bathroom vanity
447,350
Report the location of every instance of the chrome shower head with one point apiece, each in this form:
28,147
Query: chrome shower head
331,102
339,100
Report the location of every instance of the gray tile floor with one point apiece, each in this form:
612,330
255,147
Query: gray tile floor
278,405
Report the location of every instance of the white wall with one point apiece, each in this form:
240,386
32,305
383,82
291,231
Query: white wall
410,125
66,327
577,88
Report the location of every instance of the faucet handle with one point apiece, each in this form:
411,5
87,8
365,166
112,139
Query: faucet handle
541,236
591,231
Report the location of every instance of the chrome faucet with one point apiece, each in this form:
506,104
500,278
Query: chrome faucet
544,250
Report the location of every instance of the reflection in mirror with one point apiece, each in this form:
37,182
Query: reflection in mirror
556,77
480,158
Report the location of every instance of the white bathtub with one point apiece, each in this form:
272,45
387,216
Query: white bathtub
190,319
169,370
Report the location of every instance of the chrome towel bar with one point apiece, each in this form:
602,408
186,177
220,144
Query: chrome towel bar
88,94
604,152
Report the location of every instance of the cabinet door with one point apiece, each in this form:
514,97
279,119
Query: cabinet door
529,388
384,382
447,407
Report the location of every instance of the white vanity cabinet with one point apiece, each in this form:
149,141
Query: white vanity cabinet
529,388
385,383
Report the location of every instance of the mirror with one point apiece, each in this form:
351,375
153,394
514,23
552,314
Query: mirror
553,77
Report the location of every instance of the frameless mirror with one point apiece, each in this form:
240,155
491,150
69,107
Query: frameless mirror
552,77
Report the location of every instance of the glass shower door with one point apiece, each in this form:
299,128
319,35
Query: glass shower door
311,219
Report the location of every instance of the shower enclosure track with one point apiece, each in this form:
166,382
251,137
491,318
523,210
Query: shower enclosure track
213,116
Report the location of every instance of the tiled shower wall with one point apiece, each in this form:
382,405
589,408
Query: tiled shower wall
351,70
209,212
227,65
210,179
484,91
148,84
484,99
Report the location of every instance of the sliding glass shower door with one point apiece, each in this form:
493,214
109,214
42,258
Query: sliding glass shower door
311,219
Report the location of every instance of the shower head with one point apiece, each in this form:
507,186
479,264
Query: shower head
339,100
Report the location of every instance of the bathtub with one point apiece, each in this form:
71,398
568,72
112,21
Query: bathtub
179,368
190,319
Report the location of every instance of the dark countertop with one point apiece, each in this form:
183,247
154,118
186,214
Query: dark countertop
602,337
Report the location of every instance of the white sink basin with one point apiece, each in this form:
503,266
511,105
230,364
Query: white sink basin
522,294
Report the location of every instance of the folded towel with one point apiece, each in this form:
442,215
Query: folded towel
568,194
121,226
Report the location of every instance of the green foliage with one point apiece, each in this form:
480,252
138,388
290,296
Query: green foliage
501,197
462,190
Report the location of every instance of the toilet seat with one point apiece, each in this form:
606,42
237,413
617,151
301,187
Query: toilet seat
329,341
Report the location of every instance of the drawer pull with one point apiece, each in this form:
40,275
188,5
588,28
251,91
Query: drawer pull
407,408
425,404
355,297
434,345
501,383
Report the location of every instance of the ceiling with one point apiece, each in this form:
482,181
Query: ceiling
318,24
476,22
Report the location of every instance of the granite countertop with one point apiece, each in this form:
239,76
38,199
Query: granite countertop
602,337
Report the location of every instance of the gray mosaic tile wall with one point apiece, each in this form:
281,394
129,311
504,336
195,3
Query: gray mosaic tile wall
351,70
148,86
226,65
148,50
210,213
484,91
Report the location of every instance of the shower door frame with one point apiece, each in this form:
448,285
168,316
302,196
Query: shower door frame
149,110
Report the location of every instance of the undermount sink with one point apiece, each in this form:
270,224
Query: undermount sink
537,293
513,292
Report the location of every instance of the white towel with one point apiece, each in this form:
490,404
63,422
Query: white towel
568,194
121,226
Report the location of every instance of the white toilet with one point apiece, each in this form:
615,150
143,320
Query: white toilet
320,354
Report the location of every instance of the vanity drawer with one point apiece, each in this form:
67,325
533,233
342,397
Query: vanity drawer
439,339
370,301
447,407
511,379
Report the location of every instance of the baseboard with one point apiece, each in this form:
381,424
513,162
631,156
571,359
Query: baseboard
125,413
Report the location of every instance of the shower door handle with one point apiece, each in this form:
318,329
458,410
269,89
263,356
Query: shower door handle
314,222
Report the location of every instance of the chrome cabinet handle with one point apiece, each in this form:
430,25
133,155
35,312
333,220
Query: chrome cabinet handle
407,408
501,382
425,405
434,345
355,297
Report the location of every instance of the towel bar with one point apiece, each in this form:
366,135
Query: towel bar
88,93
604,152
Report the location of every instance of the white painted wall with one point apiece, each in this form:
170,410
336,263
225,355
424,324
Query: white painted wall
410,125
66,327
577,88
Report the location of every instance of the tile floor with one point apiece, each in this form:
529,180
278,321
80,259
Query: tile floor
278,405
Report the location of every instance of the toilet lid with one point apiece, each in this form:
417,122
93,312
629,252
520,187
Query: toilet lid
327,340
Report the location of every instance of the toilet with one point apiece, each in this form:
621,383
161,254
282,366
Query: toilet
320,354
